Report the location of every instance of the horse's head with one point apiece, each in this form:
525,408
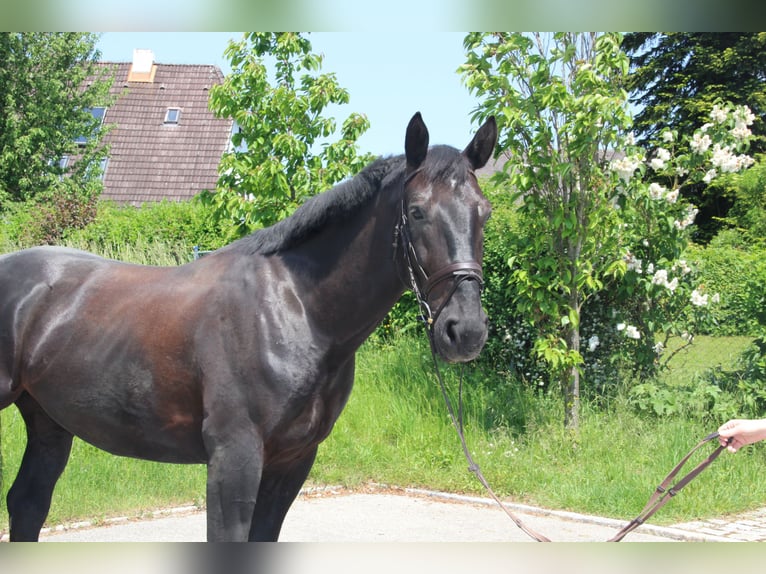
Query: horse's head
442,236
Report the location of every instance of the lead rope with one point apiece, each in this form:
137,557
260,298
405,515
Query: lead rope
457,422
659,498
665,491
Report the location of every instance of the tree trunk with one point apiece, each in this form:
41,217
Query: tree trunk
571,384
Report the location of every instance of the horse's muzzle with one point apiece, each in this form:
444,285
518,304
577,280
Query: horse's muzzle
460,330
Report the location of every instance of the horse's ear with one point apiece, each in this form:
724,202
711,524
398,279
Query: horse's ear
483,143
416,142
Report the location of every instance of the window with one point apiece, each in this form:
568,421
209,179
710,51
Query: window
172,115
60,165
102,168
98,114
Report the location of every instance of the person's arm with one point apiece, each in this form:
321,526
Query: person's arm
742,432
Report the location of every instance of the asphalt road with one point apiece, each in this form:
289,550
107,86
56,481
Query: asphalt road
385,515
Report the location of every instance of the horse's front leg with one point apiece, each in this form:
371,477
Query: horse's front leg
235,464
278,489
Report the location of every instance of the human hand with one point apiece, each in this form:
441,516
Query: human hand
741,432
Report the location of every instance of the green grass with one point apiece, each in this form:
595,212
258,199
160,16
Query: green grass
705,353
395,430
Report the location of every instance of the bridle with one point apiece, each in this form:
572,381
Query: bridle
421,283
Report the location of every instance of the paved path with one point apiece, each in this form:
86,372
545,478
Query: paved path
408,515
746,527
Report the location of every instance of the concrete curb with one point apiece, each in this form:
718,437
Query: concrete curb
666,532
671,533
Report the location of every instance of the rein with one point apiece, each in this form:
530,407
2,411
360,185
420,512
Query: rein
471,270
664,491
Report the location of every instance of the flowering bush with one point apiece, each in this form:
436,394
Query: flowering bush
660,296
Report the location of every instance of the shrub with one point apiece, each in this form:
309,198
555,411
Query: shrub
738,273
181,224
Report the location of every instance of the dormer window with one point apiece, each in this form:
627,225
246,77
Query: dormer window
98,114
172,115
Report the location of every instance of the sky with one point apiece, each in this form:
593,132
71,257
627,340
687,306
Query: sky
389,76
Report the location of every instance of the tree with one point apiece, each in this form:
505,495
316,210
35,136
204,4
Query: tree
49,83
675,81
560,108
279,159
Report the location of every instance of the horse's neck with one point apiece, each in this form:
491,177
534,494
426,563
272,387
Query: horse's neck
348,273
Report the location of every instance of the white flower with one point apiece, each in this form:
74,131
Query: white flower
667,137
691,214
744,161
716,298
700,143
724,159
671,196
684,266
659,348
660,277
631,139
699,299
710,176
706,127
632,262
593,342
658,161
743,115
740,132
656,191
620,326
718,115
626,166
631,332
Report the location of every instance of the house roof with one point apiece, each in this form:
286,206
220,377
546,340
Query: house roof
150,159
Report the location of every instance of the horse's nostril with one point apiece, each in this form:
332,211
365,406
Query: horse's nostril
450,330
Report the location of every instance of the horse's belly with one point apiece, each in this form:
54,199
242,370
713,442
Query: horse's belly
177,440
127,417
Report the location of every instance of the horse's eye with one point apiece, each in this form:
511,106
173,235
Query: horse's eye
417,213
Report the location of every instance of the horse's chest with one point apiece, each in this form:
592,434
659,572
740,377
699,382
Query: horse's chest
309,417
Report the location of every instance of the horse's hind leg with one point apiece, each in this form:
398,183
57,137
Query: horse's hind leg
277,491
46,455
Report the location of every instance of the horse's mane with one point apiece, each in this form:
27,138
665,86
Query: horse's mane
346,198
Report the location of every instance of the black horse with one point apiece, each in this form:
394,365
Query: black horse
244,359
